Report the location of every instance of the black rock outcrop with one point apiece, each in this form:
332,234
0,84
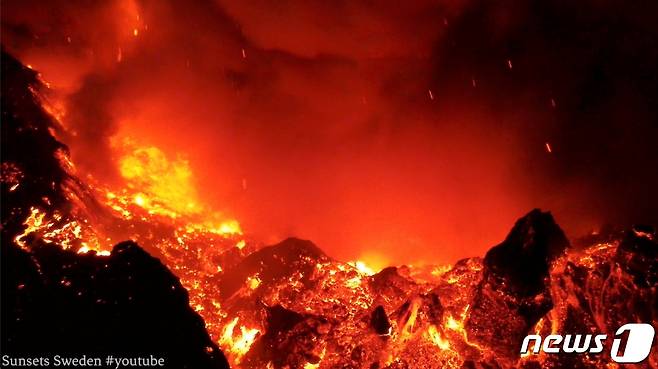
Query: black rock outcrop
56,301
514,287
126,304
273,263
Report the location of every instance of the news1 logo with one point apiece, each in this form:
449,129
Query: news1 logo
638,343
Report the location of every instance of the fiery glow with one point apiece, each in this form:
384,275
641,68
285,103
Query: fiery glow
85,249
240,345
440,270
226,227
408,326
157,206
165,187
253,282
59,230
407,151
192,239
453,324
362,267
437,339
33,223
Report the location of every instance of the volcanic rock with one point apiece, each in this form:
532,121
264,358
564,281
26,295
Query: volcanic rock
307,309
379,321
457,286
514,286
58,301
272,264
291,340
31,172
390,288
637,254
521,262
127,304
426,309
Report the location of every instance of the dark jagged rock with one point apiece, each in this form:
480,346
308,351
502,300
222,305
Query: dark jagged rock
612,283
390,283
291,340
458,285
521,262
58,301
628,286
280,319
637,254
514,286
28,148
273,263
379,321
126,304
425,308
390,288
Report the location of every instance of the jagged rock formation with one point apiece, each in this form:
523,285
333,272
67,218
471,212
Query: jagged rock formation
273,264
126,304
29,150
56,301
514,287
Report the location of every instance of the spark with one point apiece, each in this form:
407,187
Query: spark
431,94
548,147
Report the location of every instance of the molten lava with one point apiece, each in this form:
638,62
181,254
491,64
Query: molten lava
291,306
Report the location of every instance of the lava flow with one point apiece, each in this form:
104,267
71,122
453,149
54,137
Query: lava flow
158,207
405,131
290,305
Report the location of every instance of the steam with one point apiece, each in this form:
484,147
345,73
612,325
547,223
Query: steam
398,131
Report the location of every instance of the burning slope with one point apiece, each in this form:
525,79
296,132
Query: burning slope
55,300
291,305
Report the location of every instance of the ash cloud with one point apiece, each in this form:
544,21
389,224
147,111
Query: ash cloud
405,131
